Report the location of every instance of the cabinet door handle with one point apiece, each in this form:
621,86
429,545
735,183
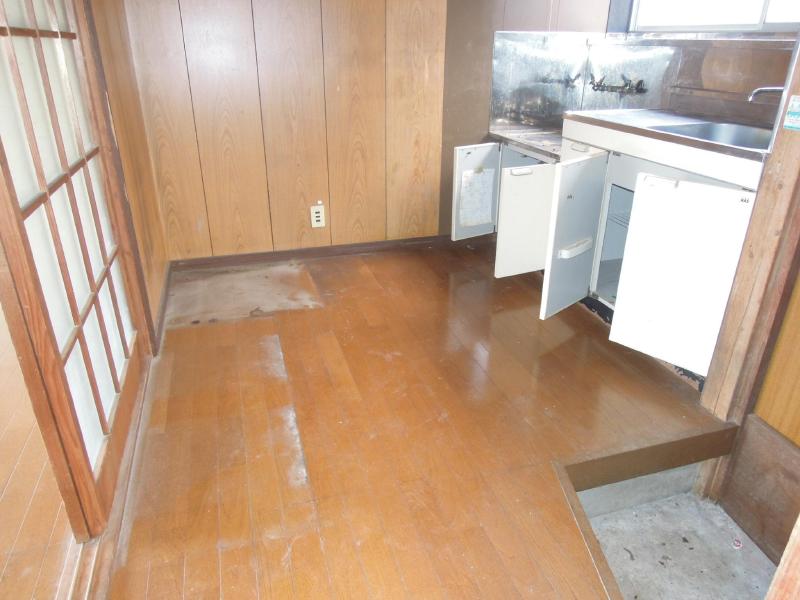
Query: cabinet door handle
521,171
580,147
664,182
576,249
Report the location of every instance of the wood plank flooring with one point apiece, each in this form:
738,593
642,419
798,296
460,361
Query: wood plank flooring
36,543
395,442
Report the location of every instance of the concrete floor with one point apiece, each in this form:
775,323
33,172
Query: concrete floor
682,547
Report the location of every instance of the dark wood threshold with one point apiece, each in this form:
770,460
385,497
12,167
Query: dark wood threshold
596,470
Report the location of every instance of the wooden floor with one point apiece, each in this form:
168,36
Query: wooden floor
36,542
395,442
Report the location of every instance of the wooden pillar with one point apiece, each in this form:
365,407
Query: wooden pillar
786,583
764,281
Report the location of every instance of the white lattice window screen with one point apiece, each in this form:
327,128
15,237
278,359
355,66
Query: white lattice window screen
50,144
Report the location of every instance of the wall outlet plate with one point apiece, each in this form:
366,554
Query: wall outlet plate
317,216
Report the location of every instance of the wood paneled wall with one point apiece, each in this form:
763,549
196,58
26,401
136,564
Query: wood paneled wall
163,81
415,36
779,399
291,75
114,41
221,56
257,110
353,112
354,34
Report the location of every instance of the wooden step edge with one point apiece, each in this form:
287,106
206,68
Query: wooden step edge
597,470
594,471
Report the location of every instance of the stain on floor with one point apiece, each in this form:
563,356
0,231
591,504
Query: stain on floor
227,293
682,547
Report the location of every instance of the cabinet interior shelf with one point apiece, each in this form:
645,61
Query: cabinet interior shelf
623,219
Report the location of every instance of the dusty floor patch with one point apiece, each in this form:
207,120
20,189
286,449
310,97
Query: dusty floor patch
228,293
684,548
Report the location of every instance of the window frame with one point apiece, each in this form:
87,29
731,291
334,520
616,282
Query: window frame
761,27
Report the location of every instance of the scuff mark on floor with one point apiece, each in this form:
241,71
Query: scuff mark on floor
272,357
297,474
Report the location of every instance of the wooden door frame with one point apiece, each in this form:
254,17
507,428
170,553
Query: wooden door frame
786,583
87,495
761,290
114,174
47,417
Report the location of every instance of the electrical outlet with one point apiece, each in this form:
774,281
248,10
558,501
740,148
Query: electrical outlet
318,215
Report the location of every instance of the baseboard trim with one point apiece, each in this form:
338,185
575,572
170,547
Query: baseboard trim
321,252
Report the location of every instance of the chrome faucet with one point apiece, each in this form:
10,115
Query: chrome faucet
764,90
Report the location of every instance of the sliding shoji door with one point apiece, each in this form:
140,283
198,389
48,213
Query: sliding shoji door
60,231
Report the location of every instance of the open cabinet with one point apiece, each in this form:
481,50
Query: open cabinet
682,249
658,245
511,191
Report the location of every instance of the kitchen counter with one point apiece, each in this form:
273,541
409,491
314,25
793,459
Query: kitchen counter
641,122
634,132
545,141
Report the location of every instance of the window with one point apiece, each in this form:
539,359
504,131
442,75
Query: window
715,15
59,192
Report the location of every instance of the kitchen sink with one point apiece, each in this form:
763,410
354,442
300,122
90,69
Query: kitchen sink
730,134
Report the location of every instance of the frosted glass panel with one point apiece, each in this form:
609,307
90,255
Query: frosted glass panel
16,13
37,103
122,300
87,221
109,318
44,256
102,372
102,207
82,400
15,142
87,133
690,13
42,14
61,99
61,12
72,248
783,11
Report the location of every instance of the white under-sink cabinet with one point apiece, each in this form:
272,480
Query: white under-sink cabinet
681,254
658,245
497,187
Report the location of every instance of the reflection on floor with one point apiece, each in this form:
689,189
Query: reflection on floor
35,537
396,440
682,547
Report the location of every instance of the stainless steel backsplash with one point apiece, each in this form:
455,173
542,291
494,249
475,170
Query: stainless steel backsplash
537,76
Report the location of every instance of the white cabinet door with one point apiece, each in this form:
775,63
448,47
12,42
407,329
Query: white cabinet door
574,218
476,182
681,254
526,195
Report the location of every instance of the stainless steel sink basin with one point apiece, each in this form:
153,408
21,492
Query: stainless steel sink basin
729,134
